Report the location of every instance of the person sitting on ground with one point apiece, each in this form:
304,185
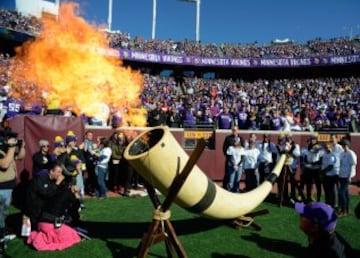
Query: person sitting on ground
51,202
318,221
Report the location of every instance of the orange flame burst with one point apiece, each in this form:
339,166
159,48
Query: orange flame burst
71,64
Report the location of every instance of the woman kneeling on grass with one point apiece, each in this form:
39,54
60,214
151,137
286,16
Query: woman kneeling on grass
55,202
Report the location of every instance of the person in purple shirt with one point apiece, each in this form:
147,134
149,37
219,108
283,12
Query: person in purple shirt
275,121
322,117
13,107
252,123
189,119
225,119
337,121
243,118
253,101
206,117
215,110
330,113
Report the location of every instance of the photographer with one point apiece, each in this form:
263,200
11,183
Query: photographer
11,149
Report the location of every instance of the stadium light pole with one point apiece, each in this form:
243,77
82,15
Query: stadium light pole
197,35
110,15
350,29
57,5
153,31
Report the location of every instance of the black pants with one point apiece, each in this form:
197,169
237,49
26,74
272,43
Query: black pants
90,182
312,176
331,189
129,174
114,175
251,179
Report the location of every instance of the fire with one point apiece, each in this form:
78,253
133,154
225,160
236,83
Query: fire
68,65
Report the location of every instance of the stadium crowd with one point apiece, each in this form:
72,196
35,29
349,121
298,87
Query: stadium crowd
284,49
285,104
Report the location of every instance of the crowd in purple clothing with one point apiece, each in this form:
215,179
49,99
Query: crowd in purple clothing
288,49
285,104
315,47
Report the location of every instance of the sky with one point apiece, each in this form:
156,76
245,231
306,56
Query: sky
227,21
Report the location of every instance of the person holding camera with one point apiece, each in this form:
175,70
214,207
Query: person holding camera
11,150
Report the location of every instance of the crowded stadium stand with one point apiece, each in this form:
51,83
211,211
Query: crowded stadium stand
287,86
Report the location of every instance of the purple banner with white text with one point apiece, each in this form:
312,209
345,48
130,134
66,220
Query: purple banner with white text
237,62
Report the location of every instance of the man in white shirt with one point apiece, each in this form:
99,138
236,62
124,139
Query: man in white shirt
330,173
348,161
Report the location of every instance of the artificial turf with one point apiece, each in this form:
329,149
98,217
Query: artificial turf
116,227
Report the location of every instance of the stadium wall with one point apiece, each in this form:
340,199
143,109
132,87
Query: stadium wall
212,161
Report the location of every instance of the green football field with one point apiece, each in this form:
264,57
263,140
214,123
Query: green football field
116,226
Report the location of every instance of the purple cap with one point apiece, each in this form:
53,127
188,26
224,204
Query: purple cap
319,213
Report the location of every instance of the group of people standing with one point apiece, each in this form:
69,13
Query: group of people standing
61,177
94,165
63,172
329,166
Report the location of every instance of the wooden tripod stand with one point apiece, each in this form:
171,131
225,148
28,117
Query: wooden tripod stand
161,228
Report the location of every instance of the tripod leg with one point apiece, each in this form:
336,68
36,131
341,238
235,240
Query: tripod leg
282,185
147,240
169,247
174,240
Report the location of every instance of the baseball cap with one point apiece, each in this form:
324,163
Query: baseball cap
281,137
74,159
59,141
319,213
70,137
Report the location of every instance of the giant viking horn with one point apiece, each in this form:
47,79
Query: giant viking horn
157,156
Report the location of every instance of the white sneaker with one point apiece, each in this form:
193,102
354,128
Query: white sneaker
7,238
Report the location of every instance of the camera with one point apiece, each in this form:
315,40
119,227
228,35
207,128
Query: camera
58,222
6,134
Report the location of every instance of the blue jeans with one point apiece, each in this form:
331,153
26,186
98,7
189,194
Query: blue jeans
101,190
234,177
344,194
5,200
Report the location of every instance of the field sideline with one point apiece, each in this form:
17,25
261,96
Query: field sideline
116,226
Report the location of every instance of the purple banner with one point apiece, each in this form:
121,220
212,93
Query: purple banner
236,62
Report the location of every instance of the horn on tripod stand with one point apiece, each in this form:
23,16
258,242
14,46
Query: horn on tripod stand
157,156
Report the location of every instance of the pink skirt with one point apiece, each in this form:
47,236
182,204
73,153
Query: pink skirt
49,238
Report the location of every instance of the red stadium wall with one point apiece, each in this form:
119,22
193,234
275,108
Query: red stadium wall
34,128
